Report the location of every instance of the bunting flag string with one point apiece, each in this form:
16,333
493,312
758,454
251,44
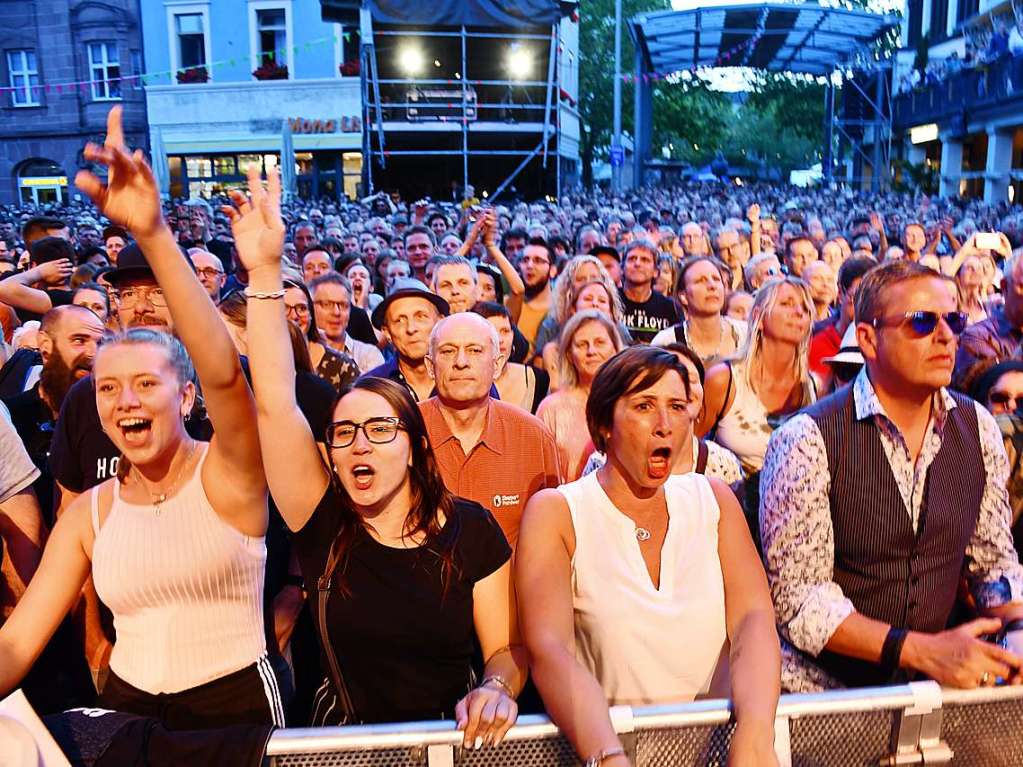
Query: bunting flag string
152,78
724,59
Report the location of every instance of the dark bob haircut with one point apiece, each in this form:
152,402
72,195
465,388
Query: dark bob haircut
986,381
632,370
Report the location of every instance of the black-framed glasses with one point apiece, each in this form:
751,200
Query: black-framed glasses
128,297
379,431
924,323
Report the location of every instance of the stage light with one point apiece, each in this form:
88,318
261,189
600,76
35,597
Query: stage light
519,63
411,60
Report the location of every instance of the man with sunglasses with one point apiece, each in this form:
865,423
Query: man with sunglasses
878,498
1000,336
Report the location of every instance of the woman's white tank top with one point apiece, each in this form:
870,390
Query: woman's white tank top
647,645
185,588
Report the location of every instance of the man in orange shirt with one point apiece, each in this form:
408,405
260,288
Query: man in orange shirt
488,451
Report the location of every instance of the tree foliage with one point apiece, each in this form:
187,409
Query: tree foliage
779,123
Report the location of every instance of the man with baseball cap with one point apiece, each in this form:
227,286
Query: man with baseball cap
407,317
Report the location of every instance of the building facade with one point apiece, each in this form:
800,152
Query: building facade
239,82
957,108
64,65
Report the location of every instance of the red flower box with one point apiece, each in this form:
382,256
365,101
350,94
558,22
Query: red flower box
193,75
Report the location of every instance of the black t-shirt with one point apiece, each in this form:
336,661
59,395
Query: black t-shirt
644,320
405,648
82,455
360,327
58,297
33,421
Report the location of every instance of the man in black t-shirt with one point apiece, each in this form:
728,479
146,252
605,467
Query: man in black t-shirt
68,338
45,283
646,311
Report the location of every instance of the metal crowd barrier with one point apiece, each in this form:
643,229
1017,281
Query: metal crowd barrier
919,723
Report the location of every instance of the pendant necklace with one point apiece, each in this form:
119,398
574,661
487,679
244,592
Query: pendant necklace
158,498
642,534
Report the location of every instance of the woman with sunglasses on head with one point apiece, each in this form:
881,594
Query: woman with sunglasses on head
404,578
641,587
175,542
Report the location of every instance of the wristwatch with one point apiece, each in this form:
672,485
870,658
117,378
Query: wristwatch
599,759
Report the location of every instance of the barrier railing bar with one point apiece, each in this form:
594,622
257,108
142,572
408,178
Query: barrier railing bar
917,732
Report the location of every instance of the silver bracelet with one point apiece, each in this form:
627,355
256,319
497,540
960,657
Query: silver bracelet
603,756
264,296
505,687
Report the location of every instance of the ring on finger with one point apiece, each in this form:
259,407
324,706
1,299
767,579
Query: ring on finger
985,677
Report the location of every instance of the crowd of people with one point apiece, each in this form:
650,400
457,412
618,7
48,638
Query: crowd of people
271,462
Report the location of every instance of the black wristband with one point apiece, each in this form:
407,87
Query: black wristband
892,650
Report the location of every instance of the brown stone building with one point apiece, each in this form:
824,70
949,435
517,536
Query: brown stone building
61,69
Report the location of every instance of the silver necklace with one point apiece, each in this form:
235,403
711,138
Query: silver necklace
158,498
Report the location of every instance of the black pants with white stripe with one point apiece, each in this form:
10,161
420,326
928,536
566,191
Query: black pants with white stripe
249,696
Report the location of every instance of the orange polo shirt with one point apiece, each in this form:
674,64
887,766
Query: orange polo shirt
515,457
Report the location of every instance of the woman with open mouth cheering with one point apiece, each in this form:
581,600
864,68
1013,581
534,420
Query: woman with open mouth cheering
174,542
640,587
404,576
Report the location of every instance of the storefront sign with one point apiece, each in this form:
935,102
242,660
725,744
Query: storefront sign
43,181
345,125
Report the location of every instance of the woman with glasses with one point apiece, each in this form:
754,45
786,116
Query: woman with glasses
748,396
336,368
405,579
174,542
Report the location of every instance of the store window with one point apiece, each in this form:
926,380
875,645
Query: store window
23,78
199,167
104,71
351,162
41,181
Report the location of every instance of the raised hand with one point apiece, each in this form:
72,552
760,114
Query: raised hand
753,213
256,221
130,197
55,272
490,227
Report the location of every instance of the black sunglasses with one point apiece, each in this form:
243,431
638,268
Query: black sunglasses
924,323
1003,398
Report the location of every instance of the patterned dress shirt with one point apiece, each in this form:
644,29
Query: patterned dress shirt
798,538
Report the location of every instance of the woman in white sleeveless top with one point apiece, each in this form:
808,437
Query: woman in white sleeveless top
639,587
175,542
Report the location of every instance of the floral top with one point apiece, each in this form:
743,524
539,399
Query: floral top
798,538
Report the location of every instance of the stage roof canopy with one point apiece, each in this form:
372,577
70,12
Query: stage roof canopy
801,37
